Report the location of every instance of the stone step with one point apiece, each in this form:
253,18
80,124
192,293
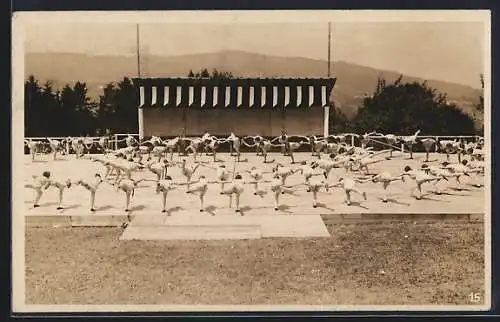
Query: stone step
385,217
309,226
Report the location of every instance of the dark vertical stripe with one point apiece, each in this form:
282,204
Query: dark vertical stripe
171,95
245,99
258,95
281,96
147,96
317,94
160,94
293,95
269,95
233,102
197,95
185,96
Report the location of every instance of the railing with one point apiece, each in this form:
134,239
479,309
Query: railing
118,140
60,138
357,140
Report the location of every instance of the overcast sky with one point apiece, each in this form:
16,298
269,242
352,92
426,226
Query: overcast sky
451,51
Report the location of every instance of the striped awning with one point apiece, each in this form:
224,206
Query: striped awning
233,93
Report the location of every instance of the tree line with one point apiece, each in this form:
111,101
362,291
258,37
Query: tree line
401,108
71,112
215,74
398,108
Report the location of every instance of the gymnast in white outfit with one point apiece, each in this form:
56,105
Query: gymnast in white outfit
60,185
39,184
386,178
349,186
420,178
164,186
92,187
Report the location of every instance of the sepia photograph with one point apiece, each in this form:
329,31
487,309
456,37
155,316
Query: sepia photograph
251,161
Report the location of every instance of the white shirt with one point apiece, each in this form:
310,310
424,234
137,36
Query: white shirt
166,185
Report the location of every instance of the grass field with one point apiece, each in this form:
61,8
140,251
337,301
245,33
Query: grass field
365,264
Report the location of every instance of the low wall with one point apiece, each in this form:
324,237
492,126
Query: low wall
242,121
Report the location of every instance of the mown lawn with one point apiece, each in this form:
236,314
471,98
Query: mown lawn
369,264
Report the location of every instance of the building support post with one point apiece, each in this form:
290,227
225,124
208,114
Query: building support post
326,121
140,117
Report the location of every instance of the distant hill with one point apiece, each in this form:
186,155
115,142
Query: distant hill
352,80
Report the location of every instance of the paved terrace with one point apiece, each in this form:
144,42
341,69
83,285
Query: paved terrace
146,202
295,218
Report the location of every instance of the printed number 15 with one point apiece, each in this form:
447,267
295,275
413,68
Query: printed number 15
474,297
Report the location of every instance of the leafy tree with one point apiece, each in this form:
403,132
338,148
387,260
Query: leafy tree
67,115
55,112
403,108
81,99
221,75
106,109
33,113
126,107
85,109
338,121
50,106
204,73
479,109
480,104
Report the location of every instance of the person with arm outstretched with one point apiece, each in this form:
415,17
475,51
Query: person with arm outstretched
420,177
60,185
128,186
92,187
308,172
314,186
257,175
200,187
386,178
39,184
163,187
349,186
